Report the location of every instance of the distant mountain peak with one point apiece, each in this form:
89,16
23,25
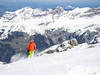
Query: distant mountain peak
34,21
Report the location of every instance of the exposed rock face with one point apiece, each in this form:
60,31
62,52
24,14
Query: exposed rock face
95,40
17,42
67,45
62,47
50,51
73,42
3,63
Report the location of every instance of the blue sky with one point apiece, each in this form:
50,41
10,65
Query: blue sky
10,5
76,3
95,1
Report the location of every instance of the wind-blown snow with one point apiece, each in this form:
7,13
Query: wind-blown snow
80,60
33,21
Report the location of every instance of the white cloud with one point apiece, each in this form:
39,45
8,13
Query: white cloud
69,7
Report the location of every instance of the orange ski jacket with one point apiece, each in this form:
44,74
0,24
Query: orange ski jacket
31,46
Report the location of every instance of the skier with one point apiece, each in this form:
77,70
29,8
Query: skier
31,48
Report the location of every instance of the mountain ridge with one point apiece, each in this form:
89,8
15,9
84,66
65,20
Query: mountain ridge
25,21
46,28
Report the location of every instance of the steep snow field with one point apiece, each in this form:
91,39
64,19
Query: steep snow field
80,60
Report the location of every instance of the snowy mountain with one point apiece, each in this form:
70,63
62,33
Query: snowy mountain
33,21
68,41
47,28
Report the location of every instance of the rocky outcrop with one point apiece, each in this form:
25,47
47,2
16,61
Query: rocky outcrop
62,47
67,45
50,51
3,63
73,42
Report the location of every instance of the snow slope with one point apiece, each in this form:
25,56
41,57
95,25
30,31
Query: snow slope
80,60
33,21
